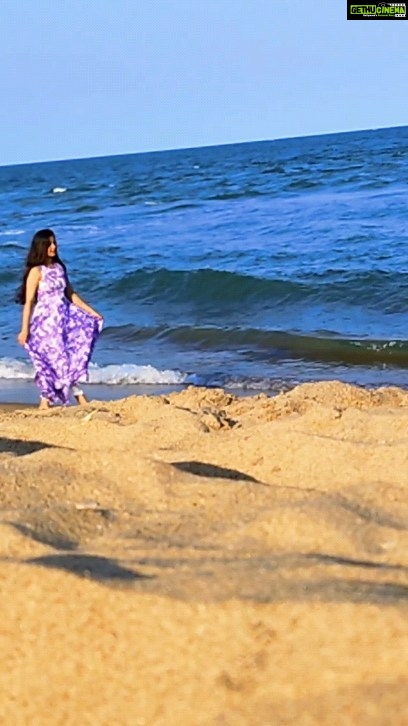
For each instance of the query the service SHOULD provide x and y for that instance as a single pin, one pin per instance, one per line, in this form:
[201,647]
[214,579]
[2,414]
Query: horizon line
[205,146]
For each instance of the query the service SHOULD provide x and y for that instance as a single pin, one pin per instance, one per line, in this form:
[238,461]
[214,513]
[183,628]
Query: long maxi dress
[61,337]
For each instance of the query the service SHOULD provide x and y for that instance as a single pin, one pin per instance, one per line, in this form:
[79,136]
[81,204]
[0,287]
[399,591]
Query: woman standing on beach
[58,329]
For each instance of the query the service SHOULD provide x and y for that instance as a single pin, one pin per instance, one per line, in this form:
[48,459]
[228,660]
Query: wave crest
[210,288]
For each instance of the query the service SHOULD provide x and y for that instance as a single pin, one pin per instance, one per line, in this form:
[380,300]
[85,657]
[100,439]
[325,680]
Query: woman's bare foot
[44,404]
[81,399]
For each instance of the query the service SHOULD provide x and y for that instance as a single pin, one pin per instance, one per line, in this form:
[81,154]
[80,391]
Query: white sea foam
[129,373]
[12,232]
[59,190]
[12,369]
[112,375]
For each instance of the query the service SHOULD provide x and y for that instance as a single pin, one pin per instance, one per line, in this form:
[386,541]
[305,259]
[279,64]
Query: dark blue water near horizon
[252,266]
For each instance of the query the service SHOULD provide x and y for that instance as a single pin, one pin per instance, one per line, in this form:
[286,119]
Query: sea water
[251,266]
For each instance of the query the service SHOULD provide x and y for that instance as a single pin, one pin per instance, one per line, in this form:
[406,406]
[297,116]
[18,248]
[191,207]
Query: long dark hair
[37,255]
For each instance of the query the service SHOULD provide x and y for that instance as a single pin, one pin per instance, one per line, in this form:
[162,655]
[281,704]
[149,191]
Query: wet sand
[10,407]
[199,559]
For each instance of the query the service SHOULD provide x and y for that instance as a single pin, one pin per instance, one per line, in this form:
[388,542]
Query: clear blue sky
[85,78]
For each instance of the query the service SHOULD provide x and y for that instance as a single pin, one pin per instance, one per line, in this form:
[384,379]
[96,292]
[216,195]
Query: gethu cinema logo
[383,9]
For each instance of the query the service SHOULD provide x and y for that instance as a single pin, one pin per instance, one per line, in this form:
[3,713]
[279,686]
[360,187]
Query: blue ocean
[251,266]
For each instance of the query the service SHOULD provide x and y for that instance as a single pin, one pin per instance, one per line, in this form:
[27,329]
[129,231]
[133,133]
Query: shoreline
[7,406]
[25,393]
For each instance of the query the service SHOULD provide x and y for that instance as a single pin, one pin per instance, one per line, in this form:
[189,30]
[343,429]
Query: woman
[58,329]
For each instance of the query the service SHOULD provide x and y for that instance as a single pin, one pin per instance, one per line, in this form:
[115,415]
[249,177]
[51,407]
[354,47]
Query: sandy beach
[200,559]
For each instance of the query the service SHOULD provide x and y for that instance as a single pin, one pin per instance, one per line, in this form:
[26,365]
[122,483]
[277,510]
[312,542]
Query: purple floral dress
[61,339]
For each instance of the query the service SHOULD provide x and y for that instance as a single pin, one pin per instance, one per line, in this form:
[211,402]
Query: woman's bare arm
[76,300]
[32,282]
